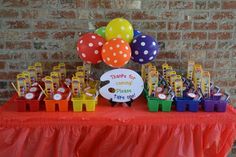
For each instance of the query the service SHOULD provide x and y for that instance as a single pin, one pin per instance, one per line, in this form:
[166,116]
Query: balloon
[136,33]
[101,31]
[116,52]
[144,49]
[89,48]
[119,28]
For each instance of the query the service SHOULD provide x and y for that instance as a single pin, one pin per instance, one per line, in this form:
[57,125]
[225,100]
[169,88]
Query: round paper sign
[57,96]
[191,95]
[218,94]
[33,89]
[124,85]
[61,89]
[29,96]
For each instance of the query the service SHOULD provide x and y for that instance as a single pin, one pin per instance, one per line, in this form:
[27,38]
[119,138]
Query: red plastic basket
[33,105]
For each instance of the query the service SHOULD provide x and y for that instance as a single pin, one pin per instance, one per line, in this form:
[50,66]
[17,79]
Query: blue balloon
[136,33]
[144,49]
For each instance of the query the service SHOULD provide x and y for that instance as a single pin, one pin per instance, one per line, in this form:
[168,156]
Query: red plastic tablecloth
[116,132]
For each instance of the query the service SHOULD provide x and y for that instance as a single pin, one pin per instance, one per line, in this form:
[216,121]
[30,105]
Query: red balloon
[89,47]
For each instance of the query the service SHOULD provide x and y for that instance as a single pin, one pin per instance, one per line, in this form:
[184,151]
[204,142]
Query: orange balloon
[116,52]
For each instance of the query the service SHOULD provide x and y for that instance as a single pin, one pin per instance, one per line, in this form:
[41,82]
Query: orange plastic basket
[63,104]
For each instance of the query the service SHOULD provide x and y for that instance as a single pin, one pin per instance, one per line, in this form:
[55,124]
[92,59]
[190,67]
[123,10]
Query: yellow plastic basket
[89,102]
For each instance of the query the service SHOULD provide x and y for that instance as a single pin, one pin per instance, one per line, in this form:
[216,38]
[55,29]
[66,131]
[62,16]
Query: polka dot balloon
[101,31]
[116,52]
[119,28]
[144,49]
[136,33]
[89,48]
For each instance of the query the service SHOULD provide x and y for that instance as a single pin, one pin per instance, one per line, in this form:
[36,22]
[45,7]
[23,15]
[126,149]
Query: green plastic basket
[166,105]
[155,103]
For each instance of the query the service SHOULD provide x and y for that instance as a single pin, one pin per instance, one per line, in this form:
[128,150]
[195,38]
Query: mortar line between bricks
[158,31]
[99,20]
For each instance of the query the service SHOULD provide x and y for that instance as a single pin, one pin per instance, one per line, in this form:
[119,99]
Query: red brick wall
[40,30]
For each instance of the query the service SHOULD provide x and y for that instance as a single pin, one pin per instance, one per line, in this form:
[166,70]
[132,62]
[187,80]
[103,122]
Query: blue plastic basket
[186,104]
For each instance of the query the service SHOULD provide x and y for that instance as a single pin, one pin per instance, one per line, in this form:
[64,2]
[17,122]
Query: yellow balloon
[119,28]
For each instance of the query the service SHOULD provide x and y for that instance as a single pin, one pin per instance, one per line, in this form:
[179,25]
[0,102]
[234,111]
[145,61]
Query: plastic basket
[186,104]
[89,102]
[166,105]
[211,105]
[50,104]
[33,105]
[155,104]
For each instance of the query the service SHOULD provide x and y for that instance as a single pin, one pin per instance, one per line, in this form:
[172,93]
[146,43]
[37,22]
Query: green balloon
[101,31]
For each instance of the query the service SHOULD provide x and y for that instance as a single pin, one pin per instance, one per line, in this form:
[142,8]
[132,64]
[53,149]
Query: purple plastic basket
[211,105]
